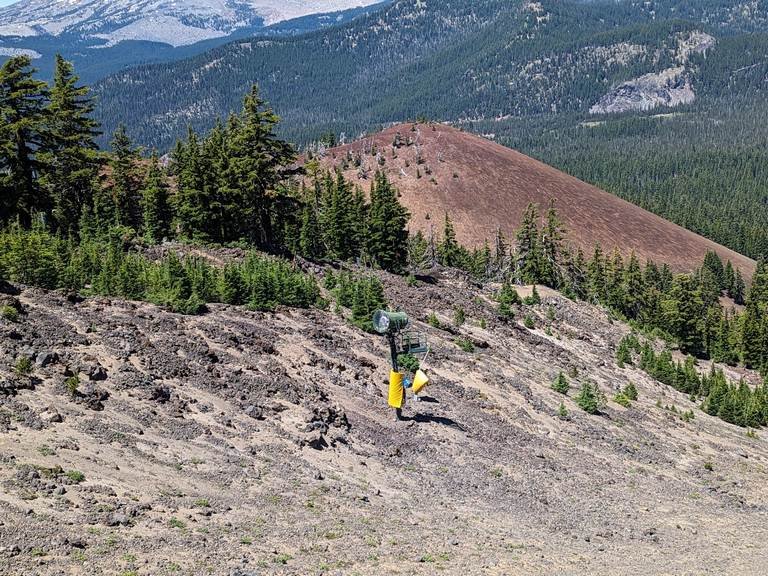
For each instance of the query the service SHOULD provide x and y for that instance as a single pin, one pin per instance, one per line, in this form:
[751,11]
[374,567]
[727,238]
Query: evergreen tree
[683,313]
[70,161]
[551,248]
[634,288]
[738,289]
[529,255]
[156,208]
[257,160]
[191,202]
[448,250]
[387,232]
[596,276]
[126,183]
[310,239]
[22,133]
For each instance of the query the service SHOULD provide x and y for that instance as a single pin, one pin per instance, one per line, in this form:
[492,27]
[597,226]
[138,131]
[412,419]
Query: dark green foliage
[449,251]
[125,189]
[40,258]
[23,131]
[362,294]
[590,398]
[465,344]
[156,204]
[534,299]
[529,254]
[560,384]
[630,391]
[69,159]
[408,362]
[507,297]
[433,320]
[9,313]
[529,322]
[23,366]
[387,243]
[562,411]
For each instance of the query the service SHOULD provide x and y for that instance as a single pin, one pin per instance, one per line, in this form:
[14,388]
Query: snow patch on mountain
[174,22]
[165,29]
[5,51]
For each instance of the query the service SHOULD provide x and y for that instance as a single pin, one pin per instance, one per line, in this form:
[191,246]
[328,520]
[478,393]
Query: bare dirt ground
[484,186]
[240,443]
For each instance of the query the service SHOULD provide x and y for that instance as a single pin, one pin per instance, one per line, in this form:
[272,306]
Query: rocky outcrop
[670,88]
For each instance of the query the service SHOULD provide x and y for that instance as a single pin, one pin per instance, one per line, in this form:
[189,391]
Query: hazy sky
[6,2]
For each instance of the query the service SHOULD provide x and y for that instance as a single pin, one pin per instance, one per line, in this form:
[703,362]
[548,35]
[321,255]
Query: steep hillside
[242,443]
[483,185]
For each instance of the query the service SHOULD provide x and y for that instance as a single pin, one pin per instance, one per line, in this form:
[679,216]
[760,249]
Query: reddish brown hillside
[483,185]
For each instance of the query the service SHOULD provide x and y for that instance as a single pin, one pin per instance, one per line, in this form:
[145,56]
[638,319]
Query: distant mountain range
[461,62]
[103,36]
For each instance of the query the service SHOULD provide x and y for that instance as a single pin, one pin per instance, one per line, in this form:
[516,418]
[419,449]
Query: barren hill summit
[483,185]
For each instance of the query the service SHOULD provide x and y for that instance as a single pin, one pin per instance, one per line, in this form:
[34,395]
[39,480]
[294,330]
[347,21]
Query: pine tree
[156,208]
[257,159]
[310,239]
[70,161]
[683,311]
[500,253]
[634,288]
[560,385]
[191,202]
[387,233]
[596,276]
[551,248]
[738,289]
[22,133]
[529,255]
[448,250]
[126,183]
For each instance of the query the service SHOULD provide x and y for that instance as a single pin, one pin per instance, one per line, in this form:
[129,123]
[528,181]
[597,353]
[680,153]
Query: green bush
[408,362]
[72,383]
[9,313]
[590,398]
[465,344]
[75,476]
[630,391]
[529,322]
[23,366]
[533,299]
[562,411]
[622,400]
[459,316]
[433,320]
[560,384]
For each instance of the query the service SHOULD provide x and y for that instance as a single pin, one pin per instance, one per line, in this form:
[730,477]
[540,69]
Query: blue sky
[6,2]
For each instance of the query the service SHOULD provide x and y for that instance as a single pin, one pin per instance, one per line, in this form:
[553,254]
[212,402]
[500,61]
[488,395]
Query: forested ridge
[84,221]
[523,73]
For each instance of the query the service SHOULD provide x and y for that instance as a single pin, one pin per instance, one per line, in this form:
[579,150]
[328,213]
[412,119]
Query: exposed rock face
[670,88]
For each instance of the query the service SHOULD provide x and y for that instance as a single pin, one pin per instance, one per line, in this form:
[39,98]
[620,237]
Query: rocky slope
[242,443]
[483,186]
